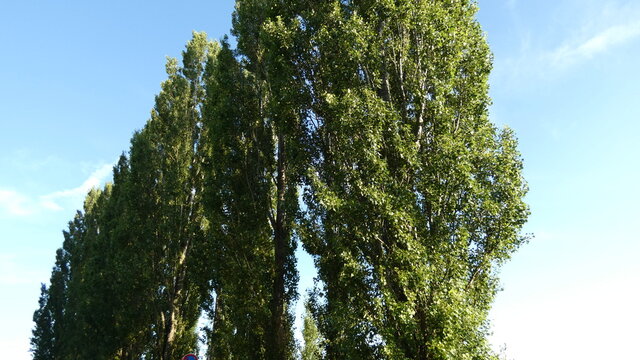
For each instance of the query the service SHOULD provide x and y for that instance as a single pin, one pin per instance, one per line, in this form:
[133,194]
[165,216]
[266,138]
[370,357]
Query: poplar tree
[167,183]
[257,159]
[312,347]
[237,202]
[414,198]
[125,284]
[91,304]
[43,337]
[64,317]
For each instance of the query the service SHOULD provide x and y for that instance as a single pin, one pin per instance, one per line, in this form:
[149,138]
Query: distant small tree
[311,335]
[42,334]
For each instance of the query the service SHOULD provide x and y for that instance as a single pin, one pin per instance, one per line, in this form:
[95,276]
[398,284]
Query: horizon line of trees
[357,129]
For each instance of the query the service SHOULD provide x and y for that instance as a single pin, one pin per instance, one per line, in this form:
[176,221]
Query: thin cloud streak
[599,43]
[94,180]
[17,204]
[600,30]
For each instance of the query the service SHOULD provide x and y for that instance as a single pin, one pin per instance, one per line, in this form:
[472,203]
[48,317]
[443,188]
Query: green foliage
[174,220]
[43,338]
[125,276]
[237,203]
[374,113]
[414,198]
[275,150]
[311,349]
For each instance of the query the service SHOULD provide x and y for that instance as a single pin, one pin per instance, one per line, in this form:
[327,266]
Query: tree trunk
[279,337]
[171,327]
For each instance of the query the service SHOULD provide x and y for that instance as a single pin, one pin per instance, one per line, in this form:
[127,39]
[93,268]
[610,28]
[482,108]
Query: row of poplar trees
[357,128]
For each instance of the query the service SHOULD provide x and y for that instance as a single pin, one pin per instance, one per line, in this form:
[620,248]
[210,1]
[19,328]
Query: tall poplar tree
[414,197]
[91,305]
[129,280]
[70,310]
[237,202]
[167,180]
[257,164]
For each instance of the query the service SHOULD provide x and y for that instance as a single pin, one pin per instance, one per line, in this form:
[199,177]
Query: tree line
[357,129]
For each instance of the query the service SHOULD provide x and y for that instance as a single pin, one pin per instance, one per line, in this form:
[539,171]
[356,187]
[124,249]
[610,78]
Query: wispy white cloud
[599,43]
[51,201]
[577,32]
[15,203]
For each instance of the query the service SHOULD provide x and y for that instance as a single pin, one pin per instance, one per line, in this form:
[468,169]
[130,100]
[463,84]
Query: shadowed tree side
[172,223]
[131,287]
[236,205]
[265,49]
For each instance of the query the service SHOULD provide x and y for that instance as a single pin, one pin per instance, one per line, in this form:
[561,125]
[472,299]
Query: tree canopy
[356,129]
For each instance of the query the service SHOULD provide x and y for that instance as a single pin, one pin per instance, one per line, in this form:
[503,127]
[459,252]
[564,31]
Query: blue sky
[77,78]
